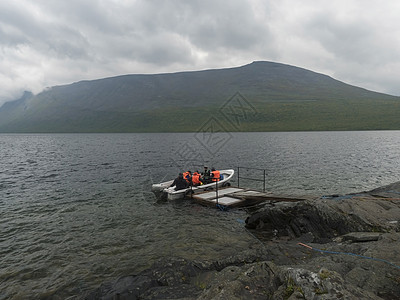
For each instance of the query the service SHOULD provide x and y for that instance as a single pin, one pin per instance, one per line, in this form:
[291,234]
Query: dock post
[238,176]
[216,191]
[264,182]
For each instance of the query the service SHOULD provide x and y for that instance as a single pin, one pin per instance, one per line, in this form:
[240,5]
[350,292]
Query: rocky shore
[331,247]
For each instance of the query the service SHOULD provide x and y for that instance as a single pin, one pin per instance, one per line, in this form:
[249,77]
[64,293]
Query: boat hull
[173,194]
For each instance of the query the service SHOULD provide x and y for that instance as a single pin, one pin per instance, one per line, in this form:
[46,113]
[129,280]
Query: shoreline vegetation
[331,247]
[269,117]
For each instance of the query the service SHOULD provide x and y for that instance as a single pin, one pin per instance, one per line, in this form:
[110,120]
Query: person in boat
[188,176]
[206,175]
[215,175]
[196,179]
[180,183]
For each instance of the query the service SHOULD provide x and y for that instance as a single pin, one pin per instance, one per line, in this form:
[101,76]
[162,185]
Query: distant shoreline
[194,132]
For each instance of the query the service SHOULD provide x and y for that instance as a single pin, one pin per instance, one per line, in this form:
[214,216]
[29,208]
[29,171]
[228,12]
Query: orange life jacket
[196,178]
[215,175]
[187,176]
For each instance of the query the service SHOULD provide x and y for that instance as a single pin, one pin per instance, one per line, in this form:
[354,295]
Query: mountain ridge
[124,103]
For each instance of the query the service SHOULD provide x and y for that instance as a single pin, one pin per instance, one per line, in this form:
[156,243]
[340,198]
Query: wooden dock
[230,197]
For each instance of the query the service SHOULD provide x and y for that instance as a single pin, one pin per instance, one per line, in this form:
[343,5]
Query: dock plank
[227,201]
[212,194]
[239,197]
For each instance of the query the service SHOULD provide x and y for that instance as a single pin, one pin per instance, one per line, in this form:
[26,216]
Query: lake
[76,209]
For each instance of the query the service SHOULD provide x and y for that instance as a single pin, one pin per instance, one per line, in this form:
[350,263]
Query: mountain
[277,97]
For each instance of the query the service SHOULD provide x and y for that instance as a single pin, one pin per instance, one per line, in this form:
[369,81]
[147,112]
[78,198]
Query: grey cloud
[14,26]
[47,37]
[213,25]
[350,40]
[64,41]
[88,15]
[362,52]
[11,38]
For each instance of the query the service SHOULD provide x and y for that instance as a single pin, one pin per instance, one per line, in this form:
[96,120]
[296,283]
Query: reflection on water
[75,209]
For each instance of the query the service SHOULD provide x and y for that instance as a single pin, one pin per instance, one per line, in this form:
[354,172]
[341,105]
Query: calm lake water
[76,209]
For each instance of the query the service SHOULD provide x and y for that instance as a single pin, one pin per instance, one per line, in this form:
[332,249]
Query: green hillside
[272,97]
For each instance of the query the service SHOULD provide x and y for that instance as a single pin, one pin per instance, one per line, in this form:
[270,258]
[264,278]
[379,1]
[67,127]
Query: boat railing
[262,172]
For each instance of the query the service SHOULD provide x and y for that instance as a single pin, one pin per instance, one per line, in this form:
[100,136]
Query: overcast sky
[51,42]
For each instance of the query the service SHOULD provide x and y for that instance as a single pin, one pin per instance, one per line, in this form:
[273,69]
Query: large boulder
[326,218]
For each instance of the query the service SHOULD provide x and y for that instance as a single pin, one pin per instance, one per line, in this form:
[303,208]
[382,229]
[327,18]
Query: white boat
[172,194]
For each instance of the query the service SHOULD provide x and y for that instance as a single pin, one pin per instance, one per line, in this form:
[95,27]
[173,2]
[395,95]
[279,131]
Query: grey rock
[361,236]
[322,285]
[127,287]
